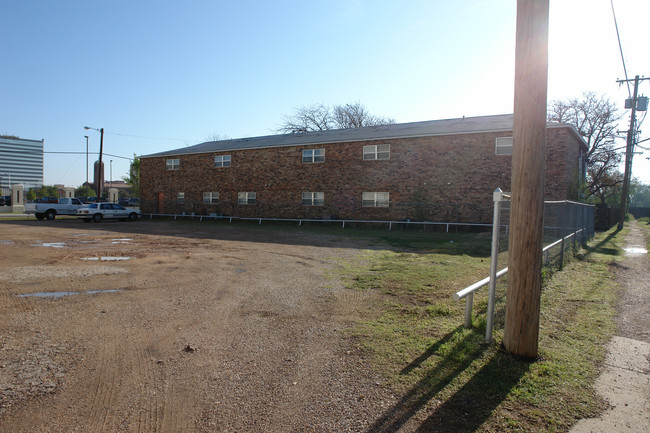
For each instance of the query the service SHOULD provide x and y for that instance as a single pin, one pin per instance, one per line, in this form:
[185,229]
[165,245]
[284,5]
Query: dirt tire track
[103,386]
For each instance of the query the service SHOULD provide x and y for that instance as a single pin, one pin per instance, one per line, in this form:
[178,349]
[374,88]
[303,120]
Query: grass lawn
[449,379]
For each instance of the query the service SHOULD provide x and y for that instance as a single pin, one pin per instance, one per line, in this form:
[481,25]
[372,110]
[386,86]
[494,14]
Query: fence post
[563,235]
[575,226]
[584,225]
[497,197]
[469,302]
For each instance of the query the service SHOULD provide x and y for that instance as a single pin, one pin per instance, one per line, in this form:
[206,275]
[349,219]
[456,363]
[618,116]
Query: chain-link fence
[568,226]
[346,208]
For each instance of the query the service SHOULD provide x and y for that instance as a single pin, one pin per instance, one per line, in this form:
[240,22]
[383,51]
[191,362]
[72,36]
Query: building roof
[464,125]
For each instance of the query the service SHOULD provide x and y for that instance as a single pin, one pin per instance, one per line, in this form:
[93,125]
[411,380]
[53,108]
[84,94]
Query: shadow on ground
[600,247]
[471,405]
[323,235]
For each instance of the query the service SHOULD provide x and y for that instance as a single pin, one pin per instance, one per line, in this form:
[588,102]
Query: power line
[83,153]
[618,36]
[117,156]
[152,138]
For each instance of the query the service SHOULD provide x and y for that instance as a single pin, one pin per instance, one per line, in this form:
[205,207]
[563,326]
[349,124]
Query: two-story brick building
[441,170]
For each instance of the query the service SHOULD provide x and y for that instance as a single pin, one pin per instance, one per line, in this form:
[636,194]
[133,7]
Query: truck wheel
[133,216]
[39,216]
[97,217]
[50,214]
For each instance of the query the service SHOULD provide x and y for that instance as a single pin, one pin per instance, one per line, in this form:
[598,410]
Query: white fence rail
[343,222]
[583,227]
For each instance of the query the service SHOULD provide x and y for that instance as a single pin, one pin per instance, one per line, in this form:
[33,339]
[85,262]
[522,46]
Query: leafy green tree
[133,179]
[639,194]
[30,195]
[85,191]
[46,191]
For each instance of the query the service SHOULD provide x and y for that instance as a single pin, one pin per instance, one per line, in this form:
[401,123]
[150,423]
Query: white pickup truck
[65,206]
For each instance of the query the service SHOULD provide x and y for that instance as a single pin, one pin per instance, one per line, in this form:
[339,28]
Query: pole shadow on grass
[600,248]
[472,404]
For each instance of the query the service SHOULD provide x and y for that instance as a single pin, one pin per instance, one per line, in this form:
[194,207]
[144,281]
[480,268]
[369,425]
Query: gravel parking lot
[174,327]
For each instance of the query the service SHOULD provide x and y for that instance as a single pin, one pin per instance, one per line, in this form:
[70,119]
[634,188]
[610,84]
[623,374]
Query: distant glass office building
[21,161]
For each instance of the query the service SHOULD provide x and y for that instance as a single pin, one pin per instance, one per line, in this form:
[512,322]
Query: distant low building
[21,162]
[122,187]
[441,170]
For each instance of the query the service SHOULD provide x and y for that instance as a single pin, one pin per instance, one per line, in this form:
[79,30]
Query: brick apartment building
[441,170]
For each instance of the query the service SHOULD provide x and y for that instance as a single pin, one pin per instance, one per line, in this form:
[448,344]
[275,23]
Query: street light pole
[86,159]
[111,184]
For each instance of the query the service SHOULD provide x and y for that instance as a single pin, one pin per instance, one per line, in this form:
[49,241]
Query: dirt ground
[633,275]
[190,329]
[625,378]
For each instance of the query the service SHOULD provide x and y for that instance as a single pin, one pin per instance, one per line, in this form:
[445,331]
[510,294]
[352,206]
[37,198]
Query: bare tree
[356,116]
[216,137]
[596,119]
[319,117]
[315,117]
[608,189]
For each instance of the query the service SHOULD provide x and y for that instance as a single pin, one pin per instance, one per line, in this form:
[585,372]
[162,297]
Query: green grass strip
[449,379]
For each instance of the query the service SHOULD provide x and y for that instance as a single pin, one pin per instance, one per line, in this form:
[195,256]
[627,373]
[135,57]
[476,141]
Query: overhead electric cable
[152,138]
[92,153]
[618,36]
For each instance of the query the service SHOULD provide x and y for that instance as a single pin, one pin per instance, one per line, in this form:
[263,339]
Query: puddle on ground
[635,251]
[57,295]
[121,241]
[3,242]
[106,258]
[50,244]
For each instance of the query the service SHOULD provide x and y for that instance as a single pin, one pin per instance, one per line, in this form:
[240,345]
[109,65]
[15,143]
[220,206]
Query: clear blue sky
[159,75]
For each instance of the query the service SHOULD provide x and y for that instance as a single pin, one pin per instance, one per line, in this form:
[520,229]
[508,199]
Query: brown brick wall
[440,178]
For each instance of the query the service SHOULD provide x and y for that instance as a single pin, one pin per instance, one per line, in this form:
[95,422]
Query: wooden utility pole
[100,186]
[629,153]
[527,202]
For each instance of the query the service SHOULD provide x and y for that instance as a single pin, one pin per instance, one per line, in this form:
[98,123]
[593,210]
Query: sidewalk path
[625,380]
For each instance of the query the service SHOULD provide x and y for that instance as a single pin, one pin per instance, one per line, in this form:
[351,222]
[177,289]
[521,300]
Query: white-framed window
[222,161]
[313,198]
[246,197]
[375,199]
[173,164]
[503,146]
[211,197]
[180,198]
[313,155]
[376,151]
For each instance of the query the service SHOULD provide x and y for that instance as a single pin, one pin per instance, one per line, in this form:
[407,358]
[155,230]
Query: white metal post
[497,196]
[469,304]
